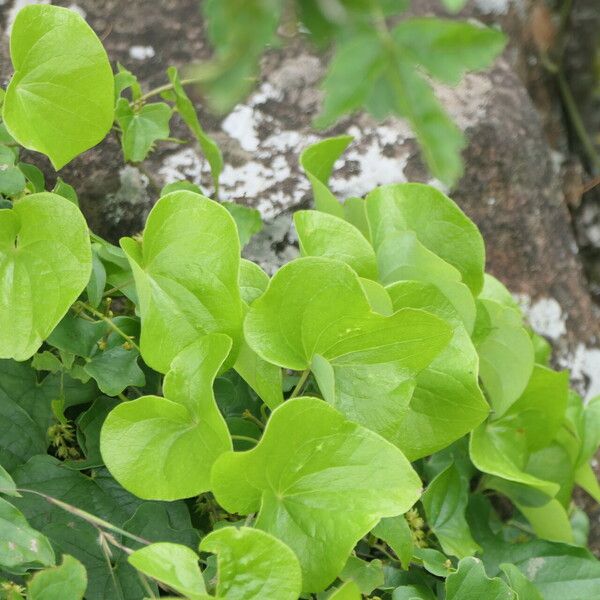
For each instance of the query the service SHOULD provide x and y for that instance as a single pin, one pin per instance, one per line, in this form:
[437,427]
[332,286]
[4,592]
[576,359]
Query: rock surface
[513,186]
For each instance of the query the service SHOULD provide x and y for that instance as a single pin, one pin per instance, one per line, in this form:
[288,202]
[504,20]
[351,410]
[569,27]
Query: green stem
[300,383]
[108,321]
[248,415]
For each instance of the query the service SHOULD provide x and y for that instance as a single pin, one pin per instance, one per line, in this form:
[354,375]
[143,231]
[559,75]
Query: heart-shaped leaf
[60,99]
[45,263]
[437,221]
[67,581]
[319,482]
[186,272]
[164,448]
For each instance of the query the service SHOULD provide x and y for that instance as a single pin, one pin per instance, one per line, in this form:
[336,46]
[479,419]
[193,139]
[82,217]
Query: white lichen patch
[240,125]
[545,316]
[141,52]
[584,364]
[533,566]
[184,164]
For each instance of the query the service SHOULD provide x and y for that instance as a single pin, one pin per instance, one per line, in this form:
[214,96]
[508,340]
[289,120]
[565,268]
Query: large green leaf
[45,263]
[319,483]
[253,565]
[445,501]
[164,448]
[505,353]
[437,222]
[470,581]
[447,402]
[186,273]
[315,314]
[67,581]
[21,546]
[322,234]
[60,99]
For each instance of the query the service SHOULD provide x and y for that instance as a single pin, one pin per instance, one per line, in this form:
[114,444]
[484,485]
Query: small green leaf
[322,234]
[470,581]
[67,581]
[317,161]
[253,281]
[66,191]
[60,99]
[46,361]
[313,466]
[12,180]
[525,590]
[347,591]
[7,485]
[124,80]
[248,220]
[177,186]
[164,448]
[367,575]
[186,272]
[21,547]
[45,263]
[188,114]
[172,564]
[445,501]
[115,369]
[253,565]
[142,127]
[395,532]
[97,282]
[34,176]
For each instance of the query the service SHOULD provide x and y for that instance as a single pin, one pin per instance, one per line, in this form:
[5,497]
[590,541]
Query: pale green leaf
[247,220]
[395,532]
[253,565]
[315,471]
[505,354]
[317,161]
[164,448]
[471,581]
[172,564]
[253,281]
[142,127]
[60,99]
[7,485]
[45,263]
[524,589]
[186,271]
[322,234]
[437,222]
[188,113]
[367,575]
[550,522]
[21,546]
[67,581]
[347,591]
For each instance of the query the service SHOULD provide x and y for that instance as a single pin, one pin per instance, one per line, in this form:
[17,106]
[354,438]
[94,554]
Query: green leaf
[142,127]
[525,590]
[557,570]
[550,522]
[66,191]
[253,565]
[115,369]
[21,547]
[447,402]
[60,99]
[505,354]
[434,561]
[347,591]
[447,49]
[67,581]
[7,485]
[172,564]
[188,114]
[317,161]
[322,234]
[46,361]
[124,80]
[413,592]
[315,471]
[437,222]
[12,180]
[253,281]
[470,581]
[445,501]
[164,448]
[34,176]
[177,186]
[395,532]
[186,272]
[454,6]
[248,220]
[367,575]
[45,262]
[97,282]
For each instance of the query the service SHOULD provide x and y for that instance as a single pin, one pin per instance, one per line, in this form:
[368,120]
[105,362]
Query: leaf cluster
[374,420]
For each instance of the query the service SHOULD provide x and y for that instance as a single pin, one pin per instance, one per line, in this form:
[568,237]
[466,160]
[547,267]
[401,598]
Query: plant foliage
[376,419]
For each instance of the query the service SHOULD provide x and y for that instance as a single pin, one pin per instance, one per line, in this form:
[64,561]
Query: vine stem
[244,438]
[300,383]
[108,321]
